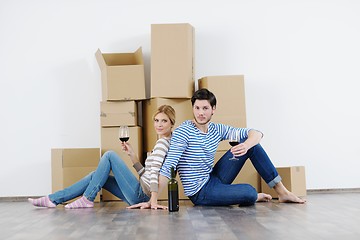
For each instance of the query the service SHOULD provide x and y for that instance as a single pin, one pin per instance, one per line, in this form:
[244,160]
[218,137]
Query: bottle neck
[172,173]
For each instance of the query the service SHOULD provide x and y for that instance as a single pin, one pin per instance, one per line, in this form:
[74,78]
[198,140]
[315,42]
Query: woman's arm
[153,163]
[129,150]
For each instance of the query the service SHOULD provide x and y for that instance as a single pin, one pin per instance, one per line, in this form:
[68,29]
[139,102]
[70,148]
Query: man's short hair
[204,94]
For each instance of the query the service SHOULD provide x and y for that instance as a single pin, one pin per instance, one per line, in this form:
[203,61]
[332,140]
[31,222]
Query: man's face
[202,111]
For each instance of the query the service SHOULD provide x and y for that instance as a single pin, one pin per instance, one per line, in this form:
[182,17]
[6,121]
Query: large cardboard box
[172,60]
[110,141]
[230,95]
[114,114]
[122,75]
[247,174]
[293,179]
[183,111]
[69,165]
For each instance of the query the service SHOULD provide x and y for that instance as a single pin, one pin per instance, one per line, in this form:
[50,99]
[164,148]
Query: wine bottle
[173,193]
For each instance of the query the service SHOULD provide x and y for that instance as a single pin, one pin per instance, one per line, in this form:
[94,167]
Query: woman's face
[162,125]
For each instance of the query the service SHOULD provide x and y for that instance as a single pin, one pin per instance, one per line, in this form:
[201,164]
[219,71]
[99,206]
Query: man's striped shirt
[192,153]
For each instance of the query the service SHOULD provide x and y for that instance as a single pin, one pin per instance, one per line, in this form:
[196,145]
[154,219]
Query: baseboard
[309,191]
[16,199]
[334,190]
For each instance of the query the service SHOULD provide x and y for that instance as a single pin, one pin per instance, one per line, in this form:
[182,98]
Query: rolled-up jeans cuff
[275,181]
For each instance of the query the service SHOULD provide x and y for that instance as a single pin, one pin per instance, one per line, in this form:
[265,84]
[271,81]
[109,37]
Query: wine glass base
[233,159]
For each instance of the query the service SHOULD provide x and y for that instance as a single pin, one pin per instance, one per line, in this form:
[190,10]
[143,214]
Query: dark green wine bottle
[173,193]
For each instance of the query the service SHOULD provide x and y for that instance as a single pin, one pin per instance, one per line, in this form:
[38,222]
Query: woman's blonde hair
[168,110]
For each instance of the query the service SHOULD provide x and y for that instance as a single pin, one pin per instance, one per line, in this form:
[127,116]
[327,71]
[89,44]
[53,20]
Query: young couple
[193,146]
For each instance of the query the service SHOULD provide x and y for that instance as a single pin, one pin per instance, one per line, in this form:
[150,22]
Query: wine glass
[234,139]
[124,133]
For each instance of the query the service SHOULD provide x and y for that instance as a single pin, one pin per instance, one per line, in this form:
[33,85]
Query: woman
[123,184]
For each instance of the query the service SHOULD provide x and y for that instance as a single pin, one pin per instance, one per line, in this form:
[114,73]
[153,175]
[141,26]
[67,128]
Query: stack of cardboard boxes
[172,79]
[123,87]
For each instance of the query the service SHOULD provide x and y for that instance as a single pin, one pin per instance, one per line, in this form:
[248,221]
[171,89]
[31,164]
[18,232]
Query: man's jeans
[219,191]
[123,184]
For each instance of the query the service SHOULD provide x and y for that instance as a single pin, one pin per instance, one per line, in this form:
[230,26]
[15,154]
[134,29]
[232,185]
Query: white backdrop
[300,60]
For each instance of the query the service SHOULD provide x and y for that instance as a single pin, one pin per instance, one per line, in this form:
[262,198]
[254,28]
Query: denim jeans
[123,184]
[219,191]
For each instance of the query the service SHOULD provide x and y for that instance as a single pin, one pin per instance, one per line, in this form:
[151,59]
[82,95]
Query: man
[192,150]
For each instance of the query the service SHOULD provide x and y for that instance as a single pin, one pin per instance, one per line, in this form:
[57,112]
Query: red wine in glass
[234,139]
[124,139]
[124,133]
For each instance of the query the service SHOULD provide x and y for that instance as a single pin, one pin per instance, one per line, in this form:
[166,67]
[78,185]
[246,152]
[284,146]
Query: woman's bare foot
[263,197]
[289,197]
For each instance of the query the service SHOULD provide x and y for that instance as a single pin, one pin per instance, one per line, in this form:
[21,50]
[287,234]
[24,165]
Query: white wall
[300,60]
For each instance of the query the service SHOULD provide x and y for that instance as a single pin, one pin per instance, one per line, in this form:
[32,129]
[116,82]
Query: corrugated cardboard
[293,179]
[114,114]
[183,111]
[122,75]
[172,60]
[69,165]
[230,95]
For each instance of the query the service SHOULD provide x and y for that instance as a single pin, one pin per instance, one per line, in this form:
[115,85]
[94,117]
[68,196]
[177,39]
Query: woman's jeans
[123,184]
[219,191]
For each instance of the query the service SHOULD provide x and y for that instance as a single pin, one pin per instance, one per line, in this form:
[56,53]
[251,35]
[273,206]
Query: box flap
[139,56]
[100,59]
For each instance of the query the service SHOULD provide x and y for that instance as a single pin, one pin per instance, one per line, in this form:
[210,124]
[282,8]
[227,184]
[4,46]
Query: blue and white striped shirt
[192,153]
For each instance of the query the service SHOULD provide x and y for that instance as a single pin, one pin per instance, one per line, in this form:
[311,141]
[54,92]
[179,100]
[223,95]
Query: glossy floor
[324,216]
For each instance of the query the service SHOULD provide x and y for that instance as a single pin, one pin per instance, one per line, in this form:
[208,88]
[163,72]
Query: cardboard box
[114,114]
[227,89]
[293,179]
[183,111]
[122,75]
[69,165]
[172,60]
[248,173]
[110,141]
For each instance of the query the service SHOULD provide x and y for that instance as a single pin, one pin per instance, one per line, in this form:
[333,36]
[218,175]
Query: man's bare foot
[285,196]
[289,197]
[263,197]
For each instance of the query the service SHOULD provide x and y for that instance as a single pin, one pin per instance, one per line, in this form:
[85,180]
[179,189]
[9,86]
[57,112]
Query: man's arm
[254,137]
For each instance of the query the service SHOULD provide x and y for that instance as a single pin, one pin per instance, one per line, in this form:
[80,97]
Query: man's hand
[240,149]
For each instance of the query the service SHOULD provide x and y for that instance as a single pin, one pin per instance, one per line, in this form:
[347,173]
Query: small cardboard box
[110,141]
[172,60]
[69,165]
[247,174]
[183,111]
[122,75]
[293,179]
[227,89]
[114,114]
